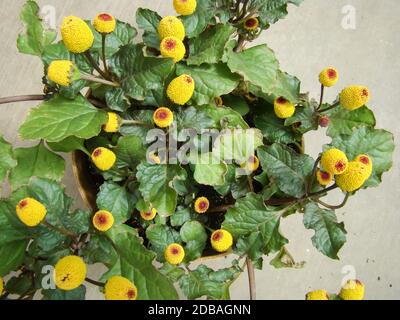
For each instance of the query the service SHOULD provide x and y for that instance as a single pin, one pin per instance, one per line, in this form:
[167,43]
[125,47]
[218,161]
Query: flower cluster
[352,290]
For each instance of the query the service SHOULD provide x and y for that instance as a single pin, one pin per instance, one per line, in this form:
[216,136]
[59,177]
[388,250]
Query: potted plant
[187,144]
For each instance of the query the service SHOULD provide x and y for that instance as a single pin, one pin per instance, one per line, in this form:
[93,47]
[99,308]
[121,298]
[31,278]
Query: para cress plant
[194,71]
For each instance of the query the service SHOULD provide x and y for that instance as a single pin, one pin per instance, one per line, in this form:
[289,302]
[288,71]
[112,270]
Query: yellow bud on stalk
[76,34]
[104,23]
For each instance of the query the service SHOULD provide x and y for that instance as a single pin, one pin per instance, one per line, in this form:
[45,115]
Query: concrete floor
[310,38]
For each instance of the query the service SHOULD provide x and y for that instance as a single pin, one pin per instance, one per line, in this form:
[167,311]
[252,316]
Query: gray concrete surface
[310,38]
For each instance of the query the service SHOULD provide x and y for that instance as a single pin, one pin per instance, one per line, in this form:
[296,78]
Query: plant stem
[322,96]
[29,97]
[312,178]
[243,13]
[239,47]
[330,108]
[94,64]
[334,207]
[252,278]
[94,282]
[60,230]
[103,52]
[98,80]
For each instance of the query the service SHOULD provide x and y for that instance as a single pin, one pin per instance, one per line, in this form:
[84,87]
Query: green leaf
[209,170]
[37,161]
[271,11]
[343,121]
[237,144]
[197,22]
[195,237]
[145,116]
[239,104]
[160,237]
[258,65]
[224,117]
[58,294]
[116,100]
[378,144]
[172,272]
[305,119]
[123,34]
[67,145]
[78,221]
[7,159]
[140,75]
[155,185]
[255,226]
[193,118]
[35,39]
[285,260]
[12,255]
[329,235]
[287,168]
[19,285]
[59,118]
[130,151]
[99,249]
[117,200]
[209,47]
[212,80]
[136,264]
[272,128]
[149,20]
[180,217]
[206,282]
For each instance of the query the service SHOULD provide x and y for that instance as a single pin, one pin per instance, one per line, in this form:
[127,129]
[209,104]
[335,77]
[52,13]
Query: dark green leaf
[58,294]
[160,237]
[67,145]
[193,118]
[378,144]
[180,217]
[195,237]
[149,20]
[197,22]
[59,118]
[224,117]
[130,151]
[305,119]
[116,100]
[7,159]
[37,161]
[172,272]
[239,104]
[329,235]
[19,285]
[287,168]
[12,255]
[117,200]
[212,80]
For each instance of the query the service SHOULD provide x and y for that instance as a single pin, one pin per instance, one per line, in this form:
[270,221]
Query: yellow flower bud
[113,123]
[174,253]
[324,178]
[201,205]
[251,24]
[185,7]
[221,240]
[104,23]
[181,89]
[334,161]
[283,108]
[317,295]
[354,97]
[103,158]
[148,215]
[365,160]
[354,177]
[171,27]
[154,159]
[31,212]
[251,164]
[1,286]
[62,72]
[69,273]
[172,47]
[352,290]
[328,77]
[103,220]
[120,288]
[163,117]
[76,34]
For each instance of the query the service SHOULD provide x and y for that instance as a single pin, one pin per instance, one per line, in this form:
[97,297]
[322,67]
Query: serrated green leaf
[343,121]
[195,237]
[197,22]
[329,235]
[117,200]
[68,145]
[258,65]
[193,118]
[305,119]
[271,11]
[160,237]
[35,38]
[136,264]
[12,255]
[224,117]
[130,151]
[155,185]
[212,80]
[237,144]
[285,260]
[209,170]
[180,217]
[58,294]
[209,47]
[376,143]
[36,161]
[149,20]
[7,159]
[255,226]
[116,100]
[287,168]
[140,75]
[172,272]
[238,104]
[59,118]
